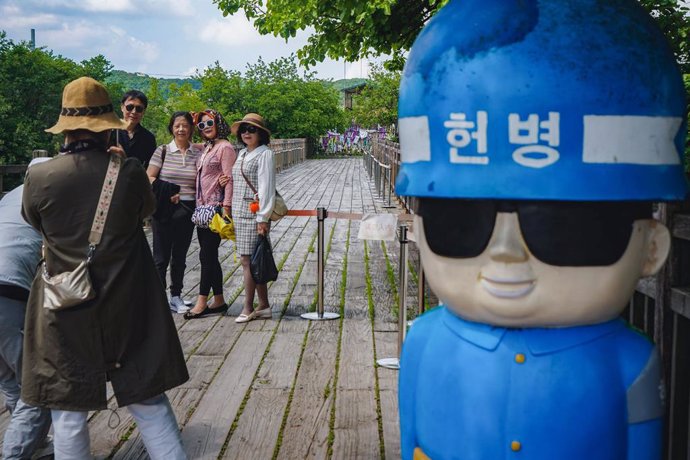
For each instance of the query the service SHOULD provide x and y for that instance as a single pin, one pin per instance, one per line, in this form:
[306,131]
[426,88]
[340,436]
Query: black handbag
[263,266]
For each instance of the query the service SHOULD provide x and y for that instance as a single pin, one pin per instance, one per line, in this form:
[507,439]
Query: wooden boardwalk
[288,388]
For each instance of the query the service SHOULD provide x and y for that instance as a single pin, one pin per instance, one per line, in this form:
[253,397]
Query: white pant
[155,420]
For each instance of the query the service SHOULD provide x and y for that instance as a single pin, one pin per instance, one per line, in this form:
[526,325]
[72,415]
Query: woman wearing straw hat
[125,333]
[254,169]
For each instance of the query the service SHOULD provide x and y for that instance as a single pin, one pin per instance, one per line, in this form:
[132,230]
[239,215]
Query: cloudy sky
[157,37]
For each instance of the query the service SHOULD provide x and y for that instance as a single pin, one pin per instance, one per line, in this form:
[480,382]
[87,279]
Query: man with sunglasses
[534,223]
[137,141]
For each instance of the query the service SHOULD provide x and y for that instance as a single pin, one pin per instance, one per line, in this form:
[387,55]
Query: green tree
[222,90]
[293,105]
[31,83]
[377,104]
[349,29]
[353,29]
[98,68]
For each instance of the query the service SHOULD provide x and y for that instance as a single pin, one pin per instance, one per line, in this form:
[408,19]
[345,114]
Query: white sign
[378,227]
[631,140]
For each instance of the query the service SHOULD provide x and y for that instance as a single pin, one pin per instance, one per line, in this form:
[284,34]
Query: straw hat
[253,119]
[86,105]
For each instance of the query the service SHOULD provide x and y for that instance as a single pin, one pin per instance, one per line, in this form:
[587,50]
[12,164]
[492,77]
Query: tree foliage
[377,104]
[354,29]
[31,82]
[349,29]
[293,105]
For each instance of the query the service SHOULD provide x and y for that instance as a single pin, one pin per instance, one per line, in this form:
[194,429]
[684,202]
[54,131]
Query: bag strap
[256,194]
[164,150]
[103,207]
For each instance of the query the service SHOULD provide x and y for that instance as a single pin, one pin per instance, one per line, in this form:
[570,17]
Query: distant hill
[142,82]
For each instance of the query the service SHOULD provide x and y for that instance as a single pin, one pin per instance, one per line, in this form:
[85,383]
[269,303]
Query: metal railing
[288,152]
[661,308]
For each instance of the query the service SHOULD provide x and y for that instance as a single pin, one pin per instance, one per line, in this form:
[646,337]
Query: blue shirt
[472,391]
[20,243]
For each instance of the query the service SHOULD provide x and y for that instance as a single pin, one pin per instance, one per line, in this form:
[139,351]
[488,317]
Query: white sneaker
[178,305]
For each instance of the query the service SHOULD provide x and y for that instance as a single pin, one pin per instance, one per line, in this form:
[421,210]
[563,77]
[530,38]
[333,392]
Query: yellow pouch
[223,226]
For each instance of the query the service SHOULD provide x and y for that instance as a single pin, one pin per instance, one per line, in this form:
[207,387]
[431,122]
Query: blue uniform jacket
[472,391]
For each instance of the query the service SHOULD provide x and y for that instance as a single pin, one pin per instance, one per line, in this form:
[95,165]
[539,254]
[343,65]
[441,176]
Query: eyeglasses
[205,124]
[565,234]
[134,107]
[247,129]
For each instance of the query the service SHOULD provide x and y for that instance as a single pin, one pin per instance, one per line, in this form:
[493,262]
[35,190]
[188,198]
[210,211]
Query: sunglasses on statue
[133,107]
[204,124]
[247,129]
[559,233]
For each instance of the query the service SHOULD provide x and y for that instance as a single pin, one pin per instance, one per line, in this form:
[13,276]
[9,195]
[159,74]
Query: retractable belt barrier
[321,214]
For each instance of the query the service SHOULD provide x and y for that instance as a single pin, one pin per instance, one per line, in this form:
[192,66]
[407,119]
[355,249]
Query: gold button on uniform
[519,358]
[515,446]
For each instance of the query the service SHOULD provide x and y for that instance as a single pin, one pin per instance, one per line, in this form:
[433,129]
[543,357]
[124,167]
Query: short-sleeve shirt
[178,168]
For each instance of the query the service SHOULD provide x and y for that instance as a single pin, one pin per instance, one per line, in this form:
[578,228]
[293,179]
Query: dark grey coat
[126,334]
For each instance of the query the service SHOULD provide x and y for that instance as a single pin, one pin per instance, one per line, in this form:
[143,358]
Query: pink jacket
[214,162]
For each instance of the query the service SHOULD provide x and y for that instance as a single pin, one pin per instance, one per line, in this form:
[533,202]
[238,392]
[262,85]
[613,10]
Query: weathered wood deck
[289,388]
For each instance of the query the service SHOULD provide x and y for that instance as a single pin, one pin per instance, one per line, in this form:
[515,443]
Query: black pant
[211,273]
[171,242]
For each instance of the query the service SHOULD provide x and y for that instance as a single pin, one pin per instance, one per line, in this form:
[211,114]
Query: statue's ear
[658,247]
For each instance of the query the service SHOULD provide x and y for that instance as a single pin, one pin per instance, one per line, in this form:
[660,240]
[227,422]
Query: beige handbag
[69,289]
[280,208]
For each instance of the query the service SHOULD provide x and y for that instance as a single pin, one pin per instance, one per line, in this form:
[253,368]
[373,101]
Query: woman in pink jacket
[217,159]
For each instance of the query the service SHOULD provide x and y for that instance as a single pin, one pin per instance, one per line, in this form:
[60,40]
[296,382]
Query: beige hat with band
[86,105]
[253,119]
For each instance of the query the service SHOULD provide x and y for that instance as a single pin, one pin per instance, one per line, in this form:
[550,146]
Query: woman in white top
[253,174]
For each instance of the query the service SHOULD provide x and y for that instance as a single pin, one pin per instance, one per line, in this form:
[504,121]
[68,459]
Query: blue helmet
[542,99]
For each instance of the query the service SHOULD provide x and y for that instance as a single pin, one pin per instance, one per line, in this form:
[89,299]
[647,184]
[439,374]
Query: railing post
[421,293]
[394,363]
[320,314]
[389,186]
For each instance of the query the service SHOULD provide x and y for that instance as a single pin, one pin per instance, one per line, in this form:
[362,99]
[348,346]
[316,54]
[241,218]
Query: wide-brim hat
[86,105]
[253,119]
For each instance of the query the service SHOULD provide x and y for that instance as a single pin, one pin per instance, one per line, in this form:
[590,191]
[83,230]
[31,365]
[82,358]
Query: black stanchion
[394,363]
[320,314]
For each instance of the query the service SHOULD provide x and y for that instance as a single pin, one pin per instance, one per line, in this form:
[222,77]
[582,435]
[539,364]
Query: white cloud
[358,69]
[110,6]
[13,18]
[230,32]
[175,7]
[85,39]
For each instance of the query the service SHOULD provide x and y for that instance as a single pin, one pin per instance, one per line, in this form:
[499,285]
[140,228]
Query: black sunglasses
[247,129]
[131,107]
[560,233]
[204,124]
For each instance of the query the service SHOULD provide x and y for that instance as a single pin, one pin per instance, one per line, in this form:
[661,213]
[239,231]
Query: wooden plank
[206,430]
[306,429]
[387,347]
[262,417]
[183,399]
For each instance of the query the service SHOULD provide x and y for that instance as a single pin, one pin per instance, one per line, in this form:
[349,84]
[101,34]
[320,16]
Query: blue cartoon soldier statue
[535,136]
